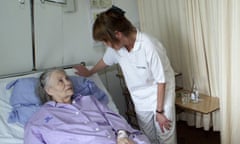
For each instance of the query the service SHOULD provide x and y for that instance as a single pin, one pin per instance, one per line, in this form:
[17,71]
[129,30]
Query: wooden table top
[205,105]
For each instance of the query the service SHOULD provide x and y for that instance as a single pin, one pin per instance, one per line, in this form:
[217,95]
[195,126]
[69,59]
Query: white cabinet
[60,37]
[15,37]
[16,41]
[49,34]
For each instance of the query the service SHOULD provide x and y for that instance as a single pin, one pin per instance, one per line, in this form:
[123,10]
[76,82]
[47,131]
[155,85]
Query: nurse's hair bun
[116,10]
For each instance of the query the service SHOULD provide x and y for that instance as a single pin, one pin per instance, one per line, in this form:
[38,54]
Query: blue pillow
[24,91]
[85,86]
[25,100]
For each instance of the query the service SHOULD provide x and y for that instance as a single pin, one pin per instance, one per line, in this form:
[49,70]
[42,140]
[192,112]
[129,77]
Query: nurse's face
[115,46]
[59,87]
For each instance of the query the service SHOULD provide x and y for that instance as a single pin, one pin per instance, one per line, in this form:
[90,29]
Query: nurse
[146,69]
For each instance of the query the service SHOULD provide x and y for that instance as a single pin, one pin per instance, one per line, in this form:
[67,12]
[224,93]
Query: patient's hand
[82,71]
[124,140]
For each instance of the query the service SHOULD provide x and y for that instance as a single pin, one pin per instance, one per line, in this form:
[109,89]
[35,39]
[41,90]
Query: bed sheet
[13,133]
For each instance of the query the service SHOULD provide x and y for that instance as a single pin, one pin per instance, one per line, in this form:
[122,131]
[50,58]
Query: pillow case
[25,101]
[84,86]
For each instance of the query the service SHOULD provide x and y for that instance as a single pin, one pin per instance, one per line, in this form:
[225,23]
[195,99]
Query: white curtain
[202,38]
[229,62]
[189,31]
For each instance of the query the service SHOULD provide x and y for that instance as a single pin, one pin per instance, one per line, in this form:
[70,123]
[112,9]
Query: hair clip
[117,10]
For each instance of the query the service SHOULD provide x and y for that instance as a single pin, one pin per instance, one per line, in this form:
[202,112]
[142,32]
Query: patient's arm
[31,137]
[120,124]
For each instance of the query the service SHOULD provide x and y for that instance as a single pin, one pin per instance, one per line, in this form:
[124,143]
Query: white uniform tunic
[143,67]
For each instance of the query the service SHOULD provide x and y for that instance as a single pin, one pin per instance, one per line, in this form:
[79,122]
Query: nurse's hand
[124,140]
[163,122]
[82,71]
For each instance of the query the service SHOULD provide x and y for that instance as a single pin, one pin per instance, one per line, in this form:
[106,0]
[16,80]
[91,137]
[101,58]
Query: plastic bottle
[195,94]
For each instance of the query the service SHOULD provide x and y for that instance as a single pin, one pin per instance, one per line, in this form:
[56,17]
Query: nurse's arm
[160,97]
[160,117]
[83,71]
[99,66]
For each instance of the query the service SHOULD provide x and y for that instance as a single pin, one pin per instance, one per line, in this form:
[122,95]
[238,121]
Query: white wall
[71,31]
[60,39]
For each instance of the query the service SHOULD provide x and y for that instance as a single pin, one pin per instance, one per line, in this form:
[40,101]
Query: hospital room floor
[191,135]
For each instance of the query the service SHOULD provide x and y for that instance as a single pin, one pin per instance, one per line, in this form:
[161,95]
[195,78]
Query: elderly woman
[82,120]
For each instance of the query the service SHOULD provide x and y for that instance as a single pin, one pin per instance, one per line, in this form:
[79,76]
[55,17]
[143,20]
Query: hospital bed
[12,133]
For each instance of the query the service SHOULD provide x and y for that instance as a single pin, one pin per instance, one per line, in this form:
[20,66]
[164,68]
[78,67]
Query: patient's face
[60,87]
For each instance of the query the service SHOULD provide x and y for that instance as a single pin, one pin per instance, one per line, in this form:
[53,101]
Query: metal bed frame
[39,70]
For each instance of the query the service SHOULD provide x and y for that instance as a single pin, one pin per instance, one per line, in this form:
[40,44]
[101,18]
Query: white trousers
[148,124]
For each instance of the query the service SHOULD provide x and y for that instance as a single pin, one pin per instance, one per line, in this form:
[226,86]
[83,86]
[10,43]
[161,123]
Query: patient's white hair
[43,83]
